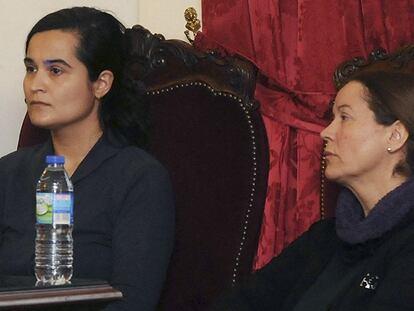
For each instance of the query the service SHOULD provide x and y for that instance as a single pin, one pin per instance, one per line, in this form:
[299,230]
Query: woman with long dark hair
[123,214]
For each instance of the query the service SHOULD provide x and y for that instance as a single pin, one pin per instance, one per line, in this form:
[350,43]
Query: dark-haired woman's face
[356,145]
[56,85]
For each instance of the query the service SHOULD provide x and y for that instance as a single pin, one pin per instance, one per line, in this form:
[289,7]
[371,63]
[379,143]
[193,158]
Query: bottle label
[54,208]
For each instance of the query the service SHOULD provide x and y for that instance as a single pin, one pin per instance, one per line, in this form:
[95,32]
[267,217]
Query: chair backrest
[401,60]
[208,132]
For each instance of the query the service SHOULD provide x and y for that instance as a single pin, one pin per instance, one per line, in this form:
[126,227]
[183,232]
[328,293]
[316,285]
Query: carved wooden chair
[401,60]
[207,131]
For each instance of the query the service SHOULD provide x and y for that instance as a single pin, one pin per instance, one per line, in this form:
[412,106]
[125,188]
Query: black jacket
[123,218]
[386,282]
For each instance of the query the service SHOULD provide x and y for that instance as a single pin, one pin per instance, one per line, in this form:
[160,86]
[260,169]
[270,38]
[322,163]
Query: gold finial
[193,23]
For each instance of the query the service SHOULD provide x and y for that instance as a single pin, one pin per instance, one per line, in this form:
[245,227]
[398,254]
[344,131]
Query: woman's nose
[36,82]
[327,132]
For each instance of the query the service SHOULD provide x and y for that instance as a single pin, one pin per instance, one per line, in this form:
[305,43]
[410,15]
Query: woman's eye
[56,71]
[30,69]
[344,117]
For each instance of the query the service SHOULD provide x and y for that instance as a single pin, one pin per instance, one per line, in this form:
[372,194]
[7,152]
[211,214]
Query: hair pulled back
[390,95]
[102,47]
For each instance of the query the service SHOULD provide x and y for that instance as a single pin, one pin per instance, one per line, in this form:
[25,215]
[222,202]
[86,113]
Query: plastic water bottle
[54,221]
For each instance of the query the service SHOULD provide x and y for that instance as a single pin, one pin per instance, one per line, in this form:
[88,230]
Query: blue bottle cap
[54,159]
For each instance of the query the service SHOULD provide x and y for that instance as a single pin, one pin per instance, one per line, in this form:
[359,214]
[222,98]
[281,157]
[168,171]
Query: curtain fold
[297,44]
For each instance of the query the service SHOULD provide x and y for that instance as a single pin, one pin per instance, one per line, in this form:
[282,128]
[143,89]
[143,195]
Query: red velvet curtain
[296,45]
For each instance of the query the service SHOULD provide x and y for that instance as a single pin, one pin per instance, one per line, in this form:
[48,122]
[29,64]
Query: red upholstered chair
[207,131]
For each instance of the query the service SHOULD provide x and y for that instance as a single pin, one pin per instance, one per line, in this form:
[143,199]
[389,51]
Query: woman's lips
[328,154]
[38,103]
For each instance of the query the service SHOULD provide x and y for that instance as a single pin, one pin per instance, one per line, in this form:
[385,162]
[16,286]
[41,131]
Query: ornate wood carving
[379,59]
[159,63]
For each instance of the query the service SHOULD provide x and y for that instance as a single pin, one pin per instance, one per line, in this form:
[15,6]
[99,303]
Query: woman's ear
[103,84]
[398,135]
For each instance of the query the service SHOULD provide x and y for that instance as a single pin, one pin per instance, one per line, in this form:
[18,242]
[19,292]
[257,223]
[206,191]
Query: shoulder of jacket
[17,156]
[323,225]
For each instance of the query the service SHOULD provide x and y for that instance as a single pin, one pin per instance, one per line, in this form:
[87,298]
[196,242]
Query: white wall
[17,18]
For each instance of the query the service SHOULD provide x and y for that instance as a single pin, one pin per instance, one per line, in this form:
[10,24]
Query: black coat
[386,282]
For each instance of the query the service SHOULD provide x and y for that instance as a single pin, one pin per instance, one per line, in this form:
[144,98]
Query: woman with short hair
[364,258]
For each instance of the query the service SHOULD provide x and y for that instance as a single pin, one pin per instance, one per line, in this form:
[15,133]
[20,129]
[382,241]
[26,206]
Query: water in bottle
[54,221]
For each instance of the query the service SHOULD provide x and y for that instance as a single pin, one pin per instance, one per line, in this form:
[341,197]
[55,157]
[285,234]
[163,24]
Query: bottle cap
[54,159]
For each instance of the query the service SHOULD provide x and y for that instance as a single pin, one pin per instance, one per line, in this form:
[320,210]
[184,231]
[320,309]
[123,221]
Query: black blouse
[123,218]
